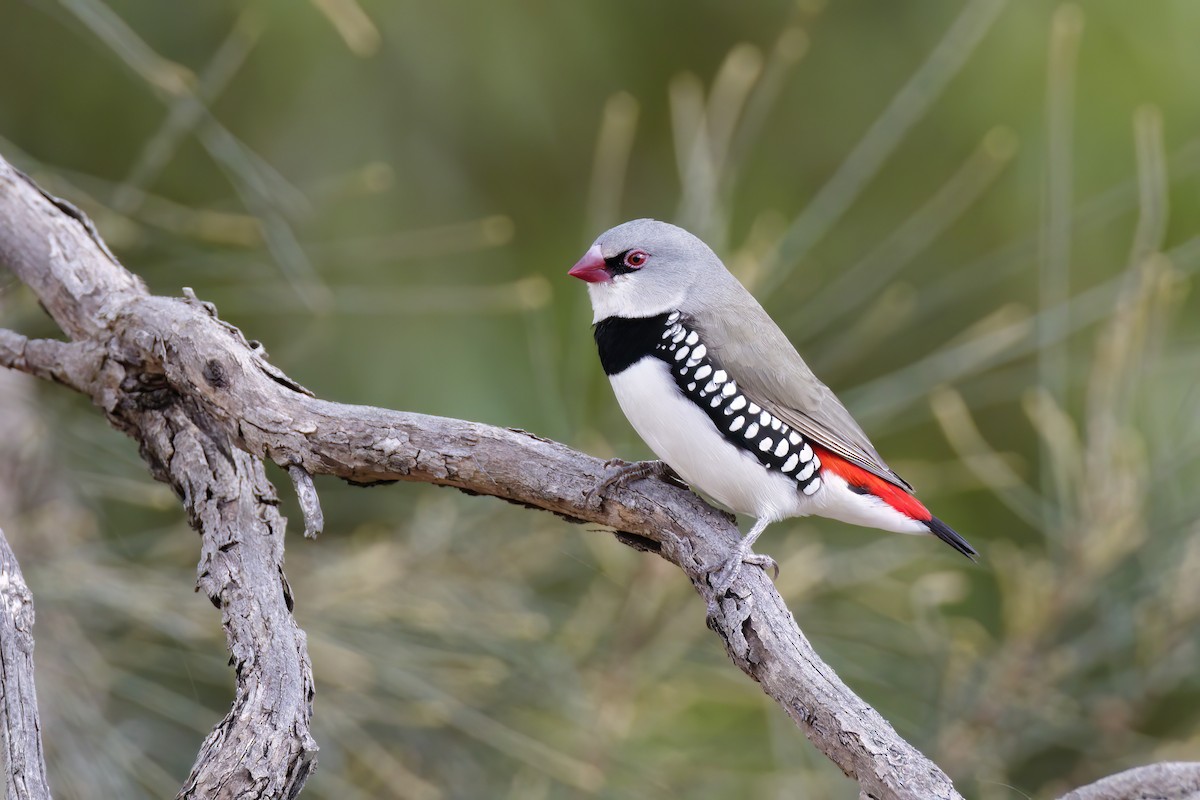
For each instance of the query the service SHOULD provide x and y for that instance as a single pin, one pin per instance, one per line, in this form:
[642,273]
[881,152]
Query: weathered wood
[1165,781]
[204,404]
[262,748]
[24,761]
[310,502]
[180,380]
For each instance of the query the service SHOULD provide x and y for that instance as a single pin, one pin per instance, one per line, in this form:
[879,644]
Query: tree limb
[1165,781]
[205,404]
[186,385]
[262,748]
[25,763]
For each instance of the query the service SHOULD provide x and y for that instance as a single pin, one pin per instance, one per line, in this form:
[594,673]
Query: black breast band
[624,341]
[671,338]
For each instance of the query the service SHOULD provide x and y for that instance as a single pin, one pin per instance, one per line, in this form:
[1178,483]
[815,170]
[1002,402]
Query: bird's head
[643,268]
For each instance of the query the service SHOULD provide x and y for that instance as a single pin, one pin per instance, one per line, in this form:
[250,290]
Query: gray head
[646,267]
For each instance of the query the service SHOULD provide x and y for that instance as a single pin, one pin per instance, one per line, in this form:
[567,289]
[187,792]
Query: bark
[1166,781]
[205,405]
[262,748]
[24,762]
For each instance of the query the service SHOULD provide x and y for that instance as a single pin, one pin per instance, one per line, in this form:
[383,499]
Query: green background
[976,220]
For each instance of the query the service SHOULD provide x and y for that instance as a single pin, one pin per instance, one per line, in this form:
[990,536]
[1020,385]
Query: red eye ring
[636,259]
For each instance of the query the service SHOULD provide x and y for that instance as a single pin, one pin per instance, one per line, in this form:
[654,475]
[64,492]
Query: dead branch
[1166,781]
[24,761]
[262,748]
[205,405]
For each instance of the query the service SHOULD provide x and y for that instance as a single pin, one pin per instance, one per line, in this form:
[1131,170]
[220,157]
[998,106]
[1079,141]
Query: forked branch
[205,405]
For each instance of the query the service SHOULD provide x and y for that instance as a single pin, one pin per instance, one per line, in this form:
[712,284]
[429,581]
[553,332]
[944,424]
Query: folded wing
[769,369]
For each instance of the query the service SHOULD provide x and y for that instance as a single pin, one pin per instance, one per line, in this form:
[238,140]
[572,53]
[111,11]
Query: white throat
[622,297]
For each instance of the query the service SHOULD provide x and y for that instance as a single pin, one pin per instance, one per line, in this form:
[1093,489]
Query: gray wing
[752,349]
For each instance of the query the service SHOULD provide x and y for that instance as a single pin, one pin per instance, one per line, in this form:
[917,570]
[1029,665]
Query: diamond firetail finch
[717,391]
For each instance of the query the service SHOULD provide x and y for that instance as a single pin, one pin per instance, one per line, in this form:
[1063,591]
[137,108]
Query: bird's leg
[729,571]
[626,473]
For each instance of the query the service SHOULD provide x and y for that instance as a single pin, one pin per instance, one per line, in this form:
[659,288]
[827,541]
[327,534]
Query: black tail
[950,537]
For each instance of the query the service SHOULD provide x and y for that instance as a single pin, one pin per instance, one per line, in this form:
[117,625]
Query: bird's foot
[622,472]
[729,571]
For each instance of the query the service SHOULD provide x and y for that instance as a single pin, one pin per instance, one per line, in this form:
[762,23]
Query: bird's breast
[693,416]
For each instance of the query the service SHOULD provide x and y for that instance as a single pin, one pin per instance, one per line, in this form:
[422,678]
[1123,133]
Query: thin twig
[310,503]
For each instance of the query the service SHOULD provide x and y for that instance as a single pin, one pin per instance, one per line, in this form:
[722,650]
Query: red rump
[868,483]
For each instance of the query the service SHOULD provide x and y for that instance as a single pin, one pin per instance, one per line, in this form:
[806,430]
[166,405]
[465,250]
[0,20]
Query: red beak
[591,267]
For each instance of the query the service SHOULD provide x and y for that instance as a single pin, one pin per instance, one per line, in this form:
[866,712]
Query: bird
[718,392]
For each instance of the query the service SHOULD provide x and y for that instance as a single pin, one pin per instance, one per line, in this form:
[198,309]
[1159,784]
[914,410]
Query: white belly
[682,435]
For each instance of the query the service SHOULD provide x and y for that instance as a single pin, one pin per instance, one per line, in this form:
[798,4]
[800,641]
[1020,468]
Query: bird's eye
[636,259]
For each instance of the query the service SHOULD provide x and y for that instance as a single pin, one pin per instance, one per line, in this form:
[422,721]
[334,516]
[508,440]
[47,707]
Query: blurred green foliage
[975,219]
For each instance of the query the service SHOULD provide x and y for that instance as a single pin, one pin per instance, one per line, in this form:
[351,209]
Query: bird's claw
[731,568]
[625,472]
[765,562]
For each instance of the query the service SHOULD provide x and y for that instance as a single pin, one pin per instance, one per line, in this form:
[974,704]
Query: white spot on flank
[765,444]
[693,337]
[682,354]
[794,438]
[720,376]
[703,372]
[716,401]
[700,351]
[806,452]
[737,423]
[692,386]
[764,419]
[674,317]
[679,334]
[791,463]
[752,430]
[754,409]
[738,403]
[712,386]
[807,472]
[775,423]
[781,449]
[812,487]
[730,389]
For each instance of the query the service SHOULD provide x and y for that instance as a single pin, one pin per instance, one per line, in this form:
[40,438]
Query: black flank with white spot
[623,342]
